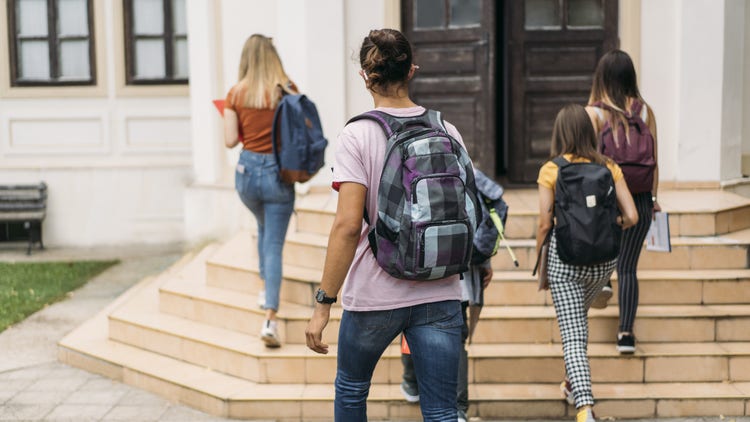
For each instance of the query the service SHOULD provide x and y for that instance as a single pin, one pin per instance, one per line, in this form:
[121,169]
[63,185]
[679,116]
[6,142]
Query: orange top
[255,123]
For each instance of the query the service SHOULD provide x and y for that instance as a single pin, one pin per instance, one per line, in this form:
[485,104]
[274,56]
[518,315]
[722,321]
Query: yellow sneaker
[585,415]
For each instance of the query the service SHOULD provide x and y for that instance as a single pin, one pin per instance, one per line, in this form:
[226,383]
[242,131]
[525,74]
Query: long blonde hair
[260,73]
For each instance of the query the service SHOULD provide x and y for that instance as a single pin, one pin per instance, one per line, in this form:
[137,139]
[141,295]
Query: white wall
[746,101]
[660,77]
[116,159]
[693,80]
[311,38]
[732,111]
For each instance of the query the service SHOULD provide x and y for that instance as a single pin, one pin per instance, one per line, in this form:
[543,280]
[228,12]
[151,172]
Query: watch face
[320,295]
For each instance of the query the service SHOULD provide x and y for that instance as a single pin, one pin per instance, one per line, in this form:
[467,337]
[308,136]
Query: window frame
[53,44]
[169,36]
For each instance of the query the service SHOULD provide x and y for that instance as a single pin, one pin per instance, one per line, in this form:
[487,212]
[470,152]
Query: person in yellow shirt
[574,287]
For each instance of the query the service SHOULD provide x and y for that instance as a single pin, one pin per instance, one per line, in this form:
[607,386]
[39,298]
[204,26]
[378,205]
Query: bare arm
[625,202]
[231,128]
[546,208]
[342,243]
[594,117]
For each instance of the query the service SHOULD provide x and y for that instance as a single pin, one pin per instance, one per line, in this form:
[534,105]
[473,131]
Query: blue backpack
[427,206]
[491,228]
[298,141]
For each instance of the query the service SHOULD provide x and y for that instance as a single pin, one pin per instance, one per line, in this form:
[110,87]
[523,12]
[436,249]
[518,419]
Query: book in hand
[657,238]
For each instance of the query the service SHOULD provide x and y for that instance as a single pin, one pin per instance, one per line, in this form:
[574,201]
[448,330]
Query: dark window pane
[542,14]
[465,12]
[585,13]
[429,14]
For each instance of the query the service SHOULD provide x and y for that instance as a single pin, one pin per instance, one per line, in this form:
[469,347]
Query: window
[51,42]
[452,14]
[156,42]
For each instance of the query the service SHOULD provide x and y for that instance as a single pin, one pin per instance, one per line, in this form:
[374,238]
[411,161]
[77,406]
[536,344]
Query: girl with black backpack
[574,286]
[626,128]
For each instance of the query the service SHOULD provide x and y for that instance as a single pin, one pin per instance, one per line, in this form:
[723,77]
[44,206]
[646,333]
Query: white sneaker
[262,299]
[602,299]
[269,334]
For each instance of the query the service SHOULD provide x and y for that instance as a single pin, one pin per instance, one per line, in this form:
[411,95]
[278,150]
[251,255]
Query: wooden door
[553,48]
[453,42]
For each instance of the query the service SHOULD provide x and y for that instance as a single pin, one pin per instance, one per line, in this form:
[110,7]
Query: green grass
[28,287]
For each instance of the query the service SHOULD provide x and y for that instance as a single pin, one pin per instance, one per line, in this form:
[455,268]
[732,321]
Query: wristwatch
[320,297]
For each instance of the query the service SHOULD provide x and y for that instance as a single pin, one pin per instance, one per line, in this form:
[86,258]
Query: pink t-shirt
[359,159]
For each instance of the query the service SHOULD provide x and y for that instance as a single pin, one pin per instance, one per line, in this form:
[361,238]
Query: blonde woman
[248,117]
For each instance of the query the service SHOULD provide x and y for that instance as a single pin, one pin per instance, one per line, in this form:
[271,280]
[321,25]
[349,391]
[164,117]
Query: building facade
[109,101]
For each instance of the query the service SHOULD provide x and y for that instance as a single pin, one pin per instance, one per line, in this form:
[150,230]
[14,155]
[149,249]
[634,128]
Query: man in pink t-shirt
[377,306]
[359,159]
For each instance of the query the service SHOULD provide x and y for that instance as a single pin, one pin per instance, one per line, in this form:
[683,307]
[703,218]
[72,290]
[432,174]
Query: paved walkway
[34,386]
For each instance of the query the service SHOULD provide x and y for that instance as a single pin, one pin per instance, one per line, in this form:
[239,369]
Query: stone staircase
[191,333]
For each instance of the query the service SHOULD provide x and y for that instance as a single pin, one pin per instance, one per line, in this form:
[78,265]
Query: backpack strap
[392,124]
[561,161]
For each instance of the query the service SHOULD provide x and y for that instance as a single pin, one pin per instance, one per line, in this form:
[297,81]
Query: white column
[659,77]
[692,52]
[208,158]
[746,95]
[731,110]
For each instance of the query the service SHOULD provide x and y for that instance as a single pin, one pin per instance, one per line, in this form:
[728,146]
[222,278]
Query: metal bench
[26,205]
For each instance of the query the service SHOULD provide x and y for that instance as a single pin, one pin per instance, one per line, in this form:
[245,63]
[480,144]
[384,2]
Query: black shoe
[626,343]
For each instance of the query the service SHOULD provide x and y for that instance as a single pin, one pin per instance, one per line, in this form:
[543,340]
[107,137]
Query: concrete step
[657,287]
[499,324]
[244,355]
[692,213]
[308,250]
[234,266]
[191,299]
[137,312]
[656,323]
[228,396]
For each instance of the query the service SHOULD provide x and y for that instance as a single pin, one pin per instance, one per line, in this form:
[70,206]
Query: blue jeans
[272,202]
[433,331]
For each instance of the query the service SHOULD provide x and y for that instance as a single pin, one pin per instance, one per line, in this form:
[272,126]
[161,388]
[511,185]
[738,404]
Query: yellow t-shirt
[548,172]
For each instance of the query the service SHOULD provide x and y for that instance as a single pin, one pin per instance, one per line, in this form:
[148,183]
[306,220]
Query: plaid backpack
[427,205]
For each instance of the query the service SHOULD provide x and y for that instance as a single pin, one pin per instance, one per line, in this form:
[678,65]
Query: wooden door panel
[549,67]
[456,75]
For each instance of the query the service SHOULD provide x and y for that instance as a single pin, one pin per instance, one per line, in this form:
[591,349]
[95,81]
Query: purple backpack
[634,149]
[427,204]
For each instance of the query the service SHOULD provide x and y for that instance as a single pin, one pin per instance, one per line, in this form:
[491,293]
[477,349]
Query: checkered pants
[574,288]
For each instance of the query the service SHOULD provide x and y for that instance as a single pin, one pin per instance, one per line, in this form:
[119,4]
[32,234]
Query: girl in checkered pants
[574,287]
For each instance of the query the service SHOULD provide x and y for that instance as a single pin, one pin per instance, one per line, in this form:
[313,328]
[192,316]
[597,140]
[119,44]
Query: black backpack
[586,213]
